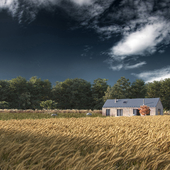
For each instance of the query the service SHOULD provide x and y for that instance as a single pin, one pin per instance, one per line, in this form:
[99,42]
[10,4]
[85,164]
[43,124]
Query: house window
[119,112]
[107,112]
[136,112]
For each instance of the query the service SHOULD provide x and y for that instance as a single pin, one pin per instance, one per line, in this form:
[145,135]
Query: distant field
[40,114]
[85,143]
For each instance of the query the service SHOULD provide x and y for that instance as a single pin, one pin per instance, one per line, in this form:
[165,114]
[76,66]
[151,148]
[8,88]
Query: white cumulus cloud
[127,66]
[155,75]
[82,2]
[141,41]
[117,68]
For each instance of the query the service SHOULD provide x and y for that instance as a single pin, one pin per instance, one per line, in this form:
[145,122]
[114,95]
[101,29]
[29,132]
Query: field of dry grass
[48,110]
[88,143]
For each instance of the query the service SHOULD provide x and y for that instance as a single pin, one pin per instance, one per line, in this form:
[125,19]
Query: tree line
[19,93]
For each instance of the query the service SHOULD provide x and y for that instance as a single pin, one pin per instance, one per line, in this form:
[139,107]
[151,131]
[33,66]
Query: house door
[119,112]
[159,111]
[107,112]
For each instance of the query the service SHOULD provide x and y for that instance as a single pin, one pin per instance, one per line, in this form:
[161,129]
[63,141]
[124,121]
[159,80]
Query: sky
[87,39]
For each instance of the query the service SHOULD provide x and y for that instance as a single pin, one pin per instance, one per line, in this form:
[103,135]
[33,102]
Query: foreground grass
[84,143]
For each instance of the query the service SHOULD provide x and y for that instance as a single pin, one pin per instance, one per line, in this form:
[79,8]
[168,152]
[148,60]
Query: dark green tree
[26,95]
[57,94]
[165,93]
[39,90]
[153,89]
[26,100]
[18,87]
[73,94]
[99,88]
[4,92]
[138,89]
[121,89]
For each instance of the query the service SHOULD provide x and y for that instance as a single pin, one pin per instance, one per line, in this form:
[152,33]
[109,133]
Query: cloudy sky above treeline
[88,39]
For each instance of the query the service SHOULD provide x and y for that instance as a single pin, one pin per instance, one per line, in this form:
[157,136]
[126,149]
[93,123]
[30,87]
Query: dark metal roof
[151,102]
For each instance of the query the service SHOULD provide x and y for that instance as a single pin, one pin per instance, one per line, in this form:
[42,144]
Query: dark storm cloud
[26,10]
[144,25]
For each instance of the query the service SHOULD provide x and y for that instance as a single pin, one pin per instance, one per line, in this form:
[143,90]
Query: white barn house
[129,107]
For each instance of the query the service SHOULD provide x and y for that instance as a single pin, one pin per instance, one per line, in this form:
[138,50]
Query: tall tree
[138,89]
[25,98]
[4,90]
[57,94]
[121,89]
[153,89]
[108,93]
[18,86]
[73,94]
[99,88]
[39,90]
[28,95]
[165,93]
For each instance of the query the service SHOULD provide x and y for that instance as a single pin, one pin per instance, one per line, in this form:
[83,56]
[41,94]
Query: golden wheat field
[134,143]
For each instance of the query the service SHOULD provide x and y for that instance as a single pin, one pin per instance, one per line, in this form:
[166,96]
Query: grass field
[73,141]
[22,115]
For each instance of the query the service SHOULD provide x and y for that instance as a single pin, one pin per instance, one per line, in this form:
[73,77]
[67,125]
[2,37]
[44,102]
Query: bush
[48,104]
[144,110]
[4,105]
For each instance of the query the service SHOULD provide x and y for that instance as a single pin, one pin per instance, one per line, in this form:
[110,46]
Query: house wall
[159,106]
[111,111]
[127,111]
[152,111]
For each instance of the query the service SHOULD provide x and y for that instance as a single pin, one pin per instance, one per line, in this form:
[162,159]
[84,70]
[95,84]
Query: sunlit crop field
[88,143]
